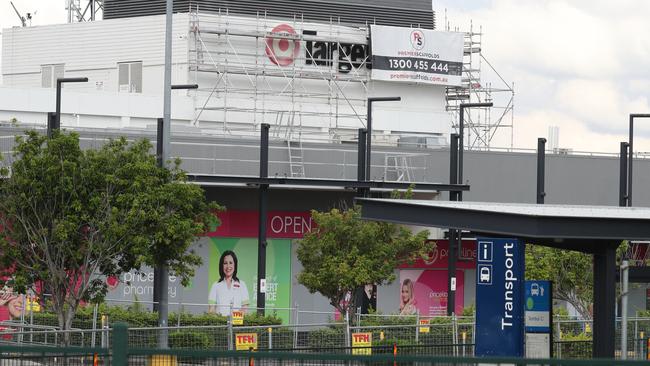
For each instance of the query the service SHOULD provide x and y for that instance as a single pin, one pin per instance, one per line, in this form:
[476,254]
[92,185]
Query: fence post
[93,336]
[120,344]
[295,329]
[347,329]
[454,334]
[270,337]
[230,335]
[636,332]
[417,327]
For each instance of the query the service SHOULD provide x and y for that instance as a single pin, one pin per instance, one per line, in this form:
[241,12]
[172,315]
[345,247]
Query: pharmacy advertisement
[232,276]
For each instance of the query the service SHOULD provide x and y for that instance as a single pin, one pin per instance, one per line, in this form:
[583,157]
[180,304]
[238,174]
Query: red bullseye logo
[283,49]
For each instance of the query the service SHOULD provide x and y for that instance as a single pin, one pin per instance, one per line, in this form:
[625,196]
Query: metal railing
[119,352]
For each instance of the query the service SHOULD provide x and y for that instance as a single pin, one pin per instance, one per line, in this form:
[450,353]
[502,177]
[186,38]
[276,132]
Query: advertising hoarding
[425,292]
[243,293]
[500,297]
[416,55]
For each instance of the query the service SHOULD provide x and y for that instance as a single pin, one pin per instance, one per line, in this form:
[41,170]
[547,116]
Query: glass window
[130,77]
[49,74]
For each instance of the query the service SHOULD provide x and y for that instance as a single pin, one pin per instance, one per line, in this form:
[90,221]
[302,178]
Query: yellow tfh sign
[246,341]
[361,343]
[237,317]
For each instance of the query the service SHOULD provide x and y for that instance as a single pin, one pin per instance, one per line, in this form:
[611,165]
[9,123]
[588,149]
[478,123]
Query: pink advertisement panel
[424,292]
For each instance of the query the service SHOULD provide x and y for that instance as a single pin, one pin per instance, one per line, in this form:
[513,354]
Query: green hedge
[137,317]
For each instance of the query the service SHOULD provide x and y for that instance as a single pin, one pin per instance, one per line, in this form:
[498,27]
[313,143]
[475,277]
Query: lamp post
[369,128]
[630,160]
[461,134]
[161,276]
[54,123]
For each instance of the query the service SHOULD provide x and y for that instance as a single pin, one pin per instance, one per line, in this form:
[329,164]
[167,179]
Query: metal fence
[438,336]
[120,352]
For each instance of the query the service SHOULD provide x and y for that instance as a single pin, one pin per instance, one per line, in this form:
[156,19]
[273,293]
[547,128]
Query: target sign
[281,50]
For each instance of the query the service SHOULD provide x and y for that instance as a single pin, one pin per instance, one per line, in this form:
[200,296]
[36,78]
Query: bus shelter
[596,230]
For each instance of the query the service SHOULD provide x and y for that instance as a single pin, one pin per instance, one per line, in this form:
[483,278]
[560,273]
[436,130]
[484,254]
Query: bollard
[270,337]
[394,349]
[251,360]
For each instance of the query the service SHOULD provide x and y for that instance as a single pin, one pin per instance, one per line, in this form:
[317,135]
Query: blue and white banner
[500,297]
[538,306]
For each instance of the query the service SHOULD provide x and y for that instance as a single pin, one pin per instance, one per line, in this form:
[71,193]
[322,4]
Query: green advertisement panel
[244,292]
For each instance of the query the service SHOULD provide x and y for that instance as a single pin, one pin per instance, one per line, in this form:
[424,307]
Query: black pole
[361,160]
[453,164]
[51,123]
[461,147]
[630,162]
[541,169]
[603,345]
[57,119]
[368,140]
[263,208]
[622,186]
[453,233]
[369,128]
[59,81]
[156,271]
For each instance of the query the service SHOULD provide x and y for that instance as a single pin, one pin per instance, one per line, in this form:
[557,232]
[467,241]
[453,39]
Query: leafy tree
[71,217]
[344,252]
[570,271]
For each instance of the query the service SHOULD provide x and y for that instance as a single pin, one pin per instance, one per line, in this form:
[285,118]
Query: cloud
[579,64]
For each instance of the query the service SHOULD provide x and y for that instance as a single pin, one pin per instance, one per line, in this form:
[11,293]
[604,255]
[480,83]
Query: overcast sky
[581,65]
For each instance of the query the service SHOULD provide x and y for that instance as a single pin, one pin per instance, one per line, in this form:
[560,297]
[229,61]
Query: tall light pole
[163,283]
[630,160]
[461,134]
[54,123]
[161,274]
[369,128]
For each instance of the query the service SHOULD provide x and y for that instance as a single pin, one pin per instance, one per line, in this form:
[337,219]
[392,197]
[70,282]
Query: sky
[580,65]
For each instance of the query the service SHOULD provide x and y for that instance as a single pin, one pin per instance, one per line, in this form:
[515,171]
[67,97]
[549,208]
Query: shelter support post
[263,209]
[604,301]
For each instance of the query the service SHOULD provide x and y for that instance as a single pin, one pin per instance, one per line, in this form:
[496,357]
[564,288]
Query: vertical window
[49,74]
[130,77]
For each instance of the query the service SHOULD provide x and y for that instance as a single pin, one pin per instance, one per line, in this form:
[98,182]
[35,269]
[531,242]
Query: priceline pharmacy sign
[500,297]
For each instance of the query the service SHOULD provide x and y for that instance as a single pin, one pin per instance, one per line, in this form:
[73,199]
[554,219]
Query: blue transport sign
[538,306]
[500,297]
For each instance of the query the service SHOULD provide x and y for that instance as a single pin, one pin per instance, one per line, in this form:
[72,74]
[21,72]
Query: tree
[570,271]
[71,217]
[344,252]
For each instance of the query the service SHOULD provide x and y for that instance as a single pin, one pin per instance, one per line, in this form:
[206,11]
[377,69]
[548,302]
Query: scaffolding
[307,97]
[84,10]
[480,124]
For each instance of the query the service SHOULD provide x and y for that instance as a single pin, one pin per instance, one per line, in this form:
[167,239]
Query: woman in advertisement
[229,292]
[407,303]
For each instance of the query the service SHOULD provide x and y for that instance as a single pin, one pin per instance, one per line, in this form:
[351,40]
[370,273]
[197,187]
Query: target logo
[280,50]
[417,39]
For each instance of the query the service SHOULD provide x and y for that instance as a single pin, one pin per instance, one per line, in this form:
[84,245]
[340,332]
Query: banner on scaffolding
[416,55]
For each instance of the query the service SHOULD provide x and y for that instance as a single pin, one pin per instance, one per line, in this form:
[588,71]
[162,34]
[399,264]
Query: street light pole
[56,121]
[630,160]
[161,276]
[461,143]
[369,129]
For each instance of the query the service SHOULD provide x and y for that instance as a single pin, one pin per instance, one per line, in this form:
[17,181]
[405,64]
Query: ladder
[296,163]
[396,168]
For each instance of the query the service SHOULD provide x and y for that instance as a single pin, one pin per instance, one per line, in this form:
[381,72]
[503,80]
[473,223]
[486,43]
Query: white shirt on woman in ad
[223,297]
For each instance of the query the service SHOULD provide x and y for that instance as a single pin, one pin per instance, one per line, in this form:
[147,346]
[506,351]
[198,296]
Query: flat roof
[573,227]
